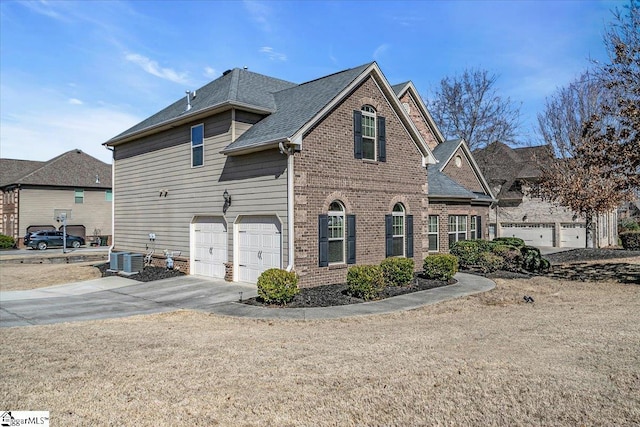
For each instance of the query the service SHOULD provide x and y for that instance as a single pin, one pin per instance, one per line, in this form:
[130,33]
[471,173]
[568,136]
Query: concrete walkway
[113,297]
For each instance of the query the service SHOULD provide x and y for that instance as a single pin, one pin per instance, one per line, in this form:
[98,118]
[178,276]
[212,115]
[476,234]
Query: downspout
[290,205]
[113,201]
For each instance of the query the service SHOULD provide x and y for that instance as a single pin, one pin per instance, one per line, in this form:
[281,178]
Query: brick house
[250,172]
[512,174]
[34,194]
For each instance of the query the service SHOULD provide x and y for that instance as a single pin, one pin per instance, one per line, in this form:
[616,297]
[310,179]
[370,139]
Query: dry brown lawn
[17,277]
[572,358]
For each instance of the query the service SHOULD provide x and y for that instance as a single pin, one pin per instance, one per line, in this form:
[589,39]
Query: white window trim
[369,111]
[436,233]
[343,238]
[457,230]
[195,146]
[472,227]
[75,196]
[395,215]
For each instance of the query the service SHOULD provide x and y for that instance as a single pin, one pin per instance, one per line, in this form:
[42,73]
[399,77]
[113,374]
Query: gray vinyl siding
[256,182]
[37,208]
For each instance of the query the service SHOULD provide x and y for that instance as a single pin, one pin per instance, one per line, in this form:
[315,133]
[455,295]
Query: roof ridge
[335,74]
[47,163]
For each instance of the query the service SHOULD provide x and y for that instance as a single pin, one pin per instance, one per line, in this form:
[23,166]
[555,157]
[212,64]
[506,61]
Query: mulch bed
[149,274]
[330,295]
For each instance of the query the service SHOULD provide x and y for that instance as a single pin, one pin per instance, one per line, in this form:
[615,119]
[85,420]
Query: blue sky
[75,74]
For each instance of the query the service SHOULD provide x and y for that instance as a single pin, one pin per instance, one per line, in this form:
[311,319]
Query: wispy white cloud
[75,101]
[210,72]
[260,13]
[45,8]
[153,68]
[272,54]
[380,50]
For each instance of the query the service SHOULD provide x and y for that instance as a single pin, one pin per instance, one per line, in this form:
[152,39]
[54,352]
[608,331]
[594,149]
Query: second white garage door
[573,235]
[259,247]
[532,234]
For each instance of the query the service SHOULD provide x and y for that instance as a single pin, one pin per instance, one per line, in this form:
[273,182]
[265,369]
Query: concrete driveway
[115,296]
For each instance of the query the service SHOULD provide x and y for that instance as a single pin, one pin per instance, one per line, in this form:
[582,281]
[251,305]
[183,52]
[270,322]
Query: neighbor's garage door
[259,242]
[532,234]
[573,235]
[210,252]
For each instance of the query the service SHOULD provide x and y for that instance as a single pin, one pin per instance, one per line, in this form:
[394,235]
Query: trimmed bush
[397,271]
[440,266]
[467,252]
[365,281]
[7,242]
[630,240]
[628,224]
[511,256]
[513,241]
[490,262]
[277,286]
[532,260]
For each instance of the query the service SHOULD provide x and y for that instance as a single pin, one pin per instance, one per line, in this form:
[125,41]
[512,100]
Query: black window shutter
[323,240]
[351,239]
[357,134]
[382,140]
[388,235]
[479,233]
[409,220]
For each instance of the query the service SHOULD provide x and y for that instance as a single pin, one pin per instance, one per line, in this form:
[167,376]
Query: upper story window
[79,196]
[369,150]
[369,135]
[108,195]
[197,145]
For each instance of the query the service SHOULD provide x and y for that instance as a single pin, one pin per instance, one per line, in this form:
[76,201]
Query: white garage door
[259,241]
[532,234]
[210,252]
[573,235]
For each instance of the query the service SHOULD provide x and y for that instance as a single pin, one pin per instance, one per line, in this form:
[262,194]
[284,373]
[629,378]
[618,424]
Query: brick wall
[326,170]
[464,173]
[419,120]
[444,209]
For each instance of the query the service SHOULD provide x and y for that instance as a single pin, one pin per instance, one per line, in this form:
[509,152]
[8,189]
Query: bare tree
[570,178]
[468,106]
[593,125]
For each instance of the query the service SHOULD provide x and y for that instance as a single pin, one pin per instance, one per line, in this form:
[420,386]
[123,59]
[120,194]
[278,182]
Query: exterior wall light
[227,201]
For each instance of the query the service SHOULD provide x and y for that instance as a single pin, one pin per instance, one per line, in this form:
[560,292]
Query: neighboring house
[512,173]
[35,195]
[630,211]
[250,172]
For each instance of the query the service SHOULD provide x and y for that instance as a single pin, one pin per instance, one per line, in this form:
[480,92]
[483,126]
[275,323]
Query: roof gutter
[263,145]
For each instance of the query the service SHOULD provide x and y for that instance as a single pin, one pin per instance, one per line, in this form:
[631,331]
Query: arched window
[336,224]
[398,230]
[369,133]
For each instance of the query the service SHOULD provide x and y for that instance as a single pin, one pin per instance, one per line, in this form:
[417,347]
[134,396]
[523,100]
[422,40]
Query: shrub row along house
[251,172]
[512,174]
[35,195]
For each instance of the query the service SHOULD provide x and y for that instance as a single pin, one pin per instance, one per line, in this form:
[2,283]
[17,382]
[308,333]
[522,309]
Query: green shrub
[532,260]
[467,252]
[365,281]
[513,241]
[490,262]
[277,286]
[628,224]
[630,240]
[511,256]
[397,271]
[7,242]
[440,266]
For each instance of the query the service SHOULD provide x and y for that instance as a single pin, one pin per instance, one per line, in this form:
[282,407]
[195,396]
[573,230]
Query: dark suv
[45,238]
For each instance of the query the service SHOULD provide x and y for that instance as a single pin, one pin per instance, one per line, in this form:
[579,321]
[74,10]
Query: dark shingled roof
[238,86]
[505,166]
[71,169]
[296,106]
[445,150]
